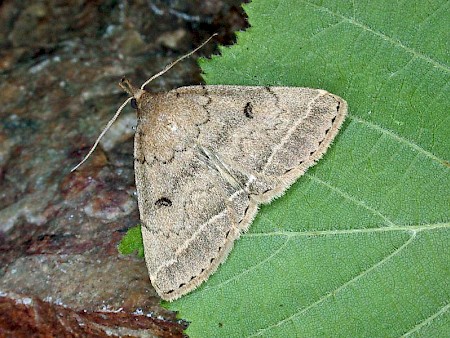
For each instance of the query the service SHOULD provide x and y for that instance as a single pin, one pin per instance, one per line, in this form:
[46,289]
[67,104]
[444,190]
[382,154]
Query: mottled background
[60,62]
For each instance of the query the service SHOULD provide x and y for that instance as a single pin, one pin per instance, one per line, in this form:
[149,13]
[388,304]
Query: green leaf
[359,246]
[132,242]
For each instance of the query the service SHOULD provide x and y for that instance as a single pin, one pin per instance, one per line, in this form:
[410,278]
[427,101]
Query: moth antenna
[114,118]
[176,61]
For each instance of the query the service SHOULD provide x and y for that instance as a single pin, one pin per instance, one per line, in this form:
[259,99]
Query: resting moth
[207,156]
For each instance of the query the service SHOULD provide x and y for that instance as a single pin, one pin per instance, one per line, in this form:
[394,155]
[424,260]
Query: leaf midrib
[402,228]
[290,234]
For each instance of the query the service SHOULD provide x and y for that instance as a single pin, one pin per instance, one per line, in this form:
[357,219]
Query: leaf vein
[431,15]
[337,290]
[427,321]
[398,138]
[385,37]
[248,270]
[351,198]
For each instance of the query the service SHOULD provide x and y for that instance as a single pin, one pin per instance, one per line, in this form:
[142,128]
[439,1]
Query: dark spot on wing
[248,110]
[163,202]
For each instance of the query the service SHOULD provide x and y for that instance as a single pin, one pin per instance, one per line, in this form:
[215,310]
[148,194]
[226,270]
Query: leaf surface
[359,246]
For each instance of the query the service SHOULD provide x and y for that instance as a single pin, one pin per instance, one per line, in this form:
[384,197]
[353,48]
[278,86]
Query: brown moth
[207,156]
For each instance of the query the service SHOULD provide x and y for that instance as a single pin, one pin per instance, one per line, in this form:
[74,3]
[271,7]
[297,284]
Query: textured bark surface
[59,68]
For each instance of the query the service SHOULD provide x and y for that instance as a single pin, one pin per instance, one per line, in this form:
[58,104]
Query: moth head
[137,98]
[135,92]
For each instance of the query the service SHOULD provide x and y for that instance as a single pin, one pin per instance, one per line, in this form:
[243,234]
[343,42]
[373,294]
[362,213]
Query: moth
[207,156]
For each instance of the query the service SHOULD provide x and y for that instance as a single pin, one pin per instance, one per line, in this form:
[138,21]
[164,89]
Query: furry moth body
[207,156]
